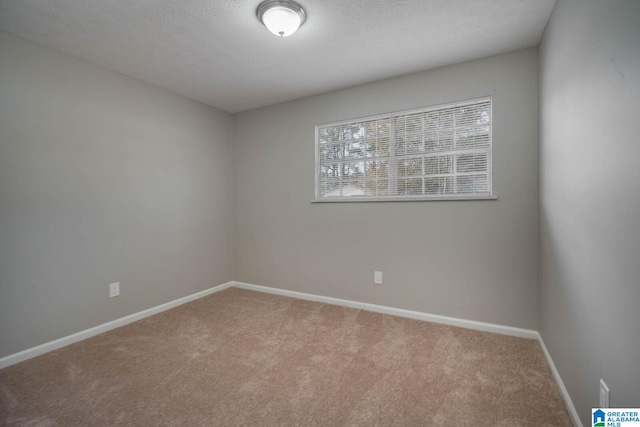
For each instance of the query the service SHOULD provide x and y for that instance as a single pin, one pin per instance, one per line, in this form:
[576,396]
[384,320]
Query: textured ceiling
[216,51]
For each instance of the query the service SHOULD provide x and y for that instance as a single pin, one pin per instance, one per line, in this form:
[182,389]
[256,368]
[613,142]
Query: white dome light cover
[281,17]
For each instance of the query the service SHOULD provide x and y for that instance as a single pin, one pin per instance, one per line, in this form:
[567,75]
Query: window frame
[404,198]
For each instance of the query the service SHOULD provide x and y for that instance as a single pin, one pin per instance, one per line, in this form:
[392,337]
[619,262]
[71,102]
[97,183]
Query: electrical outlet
[377,277]
[114,289]
[604,395]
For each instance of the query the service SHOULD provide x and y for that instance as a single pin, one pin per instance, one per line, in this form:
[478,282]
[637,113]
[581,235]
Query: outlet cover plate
[114,289]
[377,277]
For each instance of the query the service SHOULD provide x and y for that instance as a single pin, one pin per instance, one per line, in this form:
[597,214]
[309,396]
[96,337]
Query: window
[435,153]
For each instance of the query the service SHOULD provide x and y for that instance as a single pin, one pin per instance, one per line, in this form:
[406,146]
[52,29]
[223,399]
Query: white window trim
[405,198]
[439,198]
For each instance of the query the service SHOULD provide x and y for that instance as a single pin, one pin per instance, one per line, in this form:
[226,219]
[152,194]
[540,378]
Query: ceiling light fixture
[281,17]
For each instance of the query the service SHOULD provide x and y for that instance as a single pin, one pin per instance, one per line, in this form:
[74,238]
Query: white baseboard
[435,318]
[29,353]
[563,390]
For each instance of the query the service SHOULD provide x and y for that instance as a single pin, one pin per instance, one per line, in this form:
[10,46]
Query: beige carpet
[247,358]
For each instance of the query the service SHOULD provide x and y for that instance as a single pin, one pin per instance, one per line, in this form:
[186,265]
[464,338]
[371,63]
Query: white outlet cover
[377,277]
[114,289]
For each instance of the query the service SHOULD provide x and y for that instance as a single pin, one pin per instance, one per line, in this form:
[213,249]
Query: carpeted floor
[246,358]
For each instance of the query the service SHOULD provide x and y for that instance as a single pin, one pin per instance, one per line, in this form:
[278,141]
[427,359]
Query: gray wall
[590,198]
[102,179]
[471,259]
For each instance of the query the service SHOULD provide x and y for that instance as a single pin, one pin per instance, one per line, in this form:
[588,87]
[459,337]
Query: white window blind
[441,152]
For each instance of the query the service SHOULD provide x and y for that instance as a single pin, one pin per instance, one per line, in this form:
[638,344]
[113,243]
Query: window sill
[357,199]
